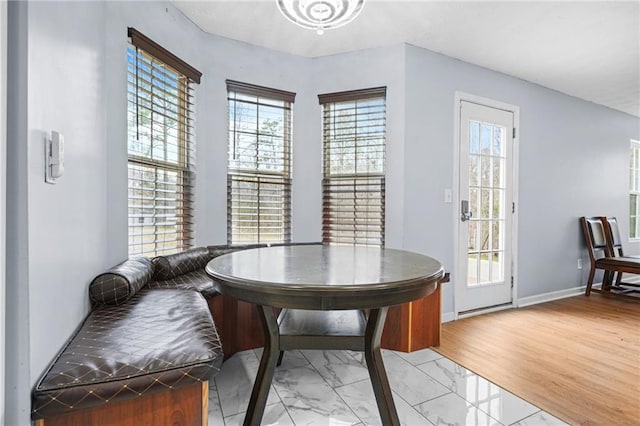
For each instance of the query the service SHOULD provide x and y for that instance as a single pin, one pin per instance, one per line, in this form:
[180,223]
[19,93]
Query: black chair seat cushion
[618,262]
[197,280]
[155,341]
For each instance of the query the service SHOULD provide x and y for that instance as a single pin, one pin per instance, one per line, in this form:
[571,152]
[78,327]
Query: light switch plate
[448,196]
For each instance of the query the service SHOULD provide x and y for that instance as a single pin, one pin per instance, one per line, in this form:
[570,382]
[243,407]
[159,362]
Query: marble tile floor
[333,388]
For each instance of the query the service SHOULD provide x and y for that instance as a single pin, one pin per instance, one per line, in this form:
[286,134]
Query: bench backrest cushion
[197,280]
[215,251]
[173,265]
[120,283]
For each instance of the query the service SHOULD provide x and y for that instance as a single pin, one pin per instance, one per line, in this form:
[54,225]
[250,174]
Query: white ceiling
[590,50]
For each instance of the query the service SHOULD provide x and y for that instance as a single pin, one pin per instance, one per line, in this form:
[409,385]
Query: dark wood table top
[322,277]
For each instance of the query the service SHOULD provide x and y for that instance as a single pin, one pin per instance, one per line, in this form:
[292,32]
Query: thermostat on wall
[54,157]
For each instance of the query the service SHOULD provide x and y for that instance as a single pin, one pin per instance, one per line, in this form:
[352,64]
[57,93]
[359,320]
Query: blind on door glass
[354,127]
[160,153]
[259,177]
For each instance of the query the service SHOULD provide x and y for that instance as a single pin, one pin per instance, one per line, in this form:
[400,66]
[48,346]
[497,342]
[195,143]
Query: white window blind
[354,127]
[634,190]
[259,177]
[160,148]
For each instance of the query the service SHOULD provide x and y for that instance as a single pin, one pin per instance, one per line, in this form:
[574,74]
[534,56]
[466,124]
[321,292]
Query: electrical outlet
[579,263]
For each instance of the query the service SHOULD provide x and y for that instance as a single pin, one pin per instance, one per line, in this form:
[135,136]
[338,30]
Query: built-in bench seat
[155,341]
[144,353]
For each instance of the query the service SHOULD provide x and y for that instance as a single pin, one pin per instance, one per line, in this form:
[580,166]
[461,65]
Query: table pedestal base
[300,329]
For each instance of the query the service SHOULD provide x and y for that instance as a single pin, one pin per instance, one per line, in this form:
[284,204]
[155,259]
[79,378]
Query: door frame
[515,110]
[4,34]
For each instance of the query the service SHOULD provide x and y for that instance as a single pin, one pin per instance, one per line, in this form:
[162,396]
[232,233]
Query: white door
[484,259]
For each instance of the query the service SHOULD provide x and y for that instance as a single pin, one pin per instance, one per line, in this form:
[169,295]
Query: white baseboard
[448,316]
[538,298]
[554,295]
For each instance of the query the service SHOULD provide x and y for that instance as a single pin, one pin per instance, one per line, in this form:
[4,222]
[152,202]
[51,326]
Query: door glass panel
[473,203]
[474,137]
[487,183]
[474,170]
[485,200]
[498,176]
[495,237]
[485,138]
[484,235]
[498,141]
[497,212]
[472,236]
[485,176]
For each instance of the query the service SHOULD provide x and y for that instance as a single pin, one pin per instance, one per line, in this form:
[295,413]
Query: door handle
[465,214]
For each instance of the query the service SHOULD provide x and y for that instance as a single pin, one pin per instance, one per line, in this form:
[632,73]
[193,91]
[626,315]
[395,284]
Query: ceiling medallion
[320,15]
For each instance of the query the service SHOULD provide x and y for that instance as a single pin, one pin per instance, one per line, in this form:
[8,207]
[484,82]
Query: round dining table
[324,297]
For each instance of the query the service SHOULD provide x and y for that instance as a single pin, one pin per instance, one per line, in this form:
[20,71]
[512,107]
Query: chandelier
[320,15]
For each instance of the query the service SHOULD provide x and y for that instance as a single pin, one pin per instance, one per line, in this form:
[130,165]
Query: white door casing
[486,170]
[3,207]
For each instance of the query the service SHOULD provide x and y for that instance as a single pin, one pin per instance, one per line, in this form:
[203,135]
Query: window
[634,190]
[259,178]
[354,126]
[160,148]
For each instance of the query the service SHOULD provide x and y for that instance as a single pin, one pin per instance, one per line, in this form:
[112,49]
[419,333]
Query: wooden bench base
[409,327]
[187,406]
[415,325]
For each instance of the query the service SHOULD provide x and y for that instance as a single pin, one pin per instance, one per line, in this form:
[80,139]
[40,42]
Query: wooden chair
[600,245]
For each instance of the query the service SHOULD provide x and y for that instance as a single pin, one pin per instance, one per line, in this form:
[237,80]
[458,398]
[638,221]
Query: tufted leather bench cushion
[185,270]
[121,282]
[155,341]
[197,280]
[174,265]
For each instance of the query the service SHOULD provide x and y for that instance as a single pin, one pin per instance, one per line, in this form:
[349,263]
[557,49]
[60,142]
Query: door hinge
[511,281]
[513,207]
[514,132]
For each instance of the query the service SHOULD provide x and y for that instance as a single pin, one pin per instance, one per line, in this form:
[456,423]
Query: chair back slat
[595,237]
[614,232]
[596,233]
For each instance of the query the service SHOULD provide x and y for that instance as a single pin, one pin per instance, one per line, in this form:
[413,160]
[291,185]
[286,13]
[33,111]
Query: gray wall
[361,70]
[67,72]
[218,59]
[17,380]
[57,237]
[573,161]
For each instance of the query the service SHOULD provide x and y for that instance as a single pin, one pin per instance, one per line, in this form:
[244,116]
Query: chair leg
[619,279]
[607,278]
[590,281]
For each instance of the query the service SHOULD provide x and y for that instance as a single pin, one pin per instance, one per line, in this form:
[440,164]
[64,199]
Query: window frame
[267,186]
[352,186]
[634,180]
[161,85]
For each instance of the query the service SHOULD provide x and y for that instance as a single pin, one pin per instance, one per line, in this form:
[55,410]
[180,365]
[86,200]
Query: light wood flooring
[576,358]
